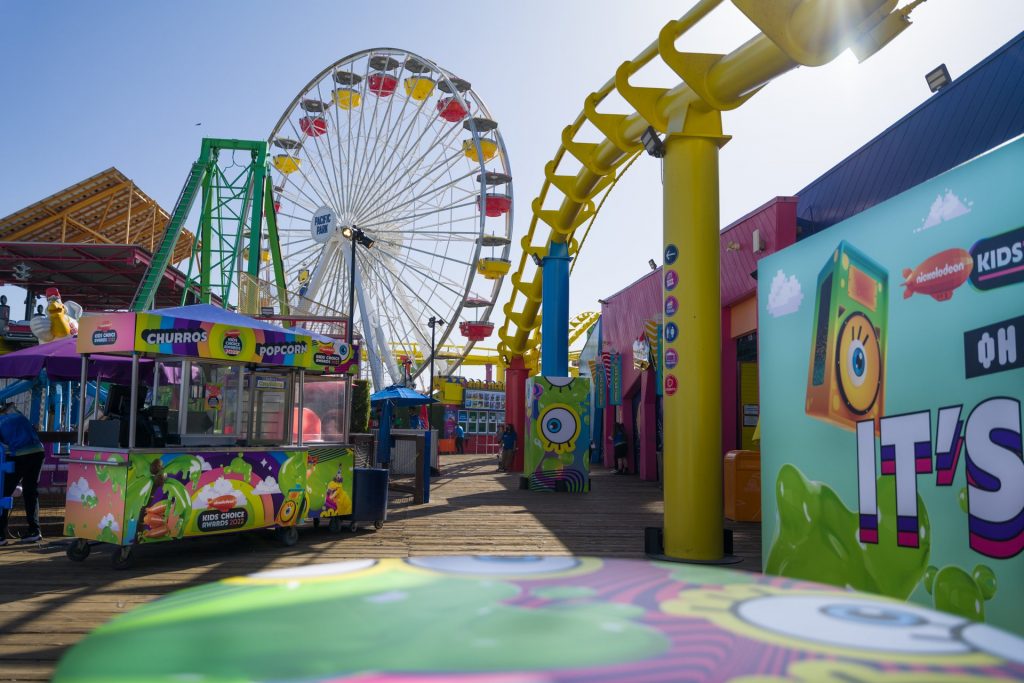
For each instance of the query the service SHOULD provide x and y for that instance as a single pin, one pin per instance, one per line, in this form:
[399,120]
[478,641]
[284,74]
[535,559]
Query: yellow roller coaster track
[793,33]
[578,326]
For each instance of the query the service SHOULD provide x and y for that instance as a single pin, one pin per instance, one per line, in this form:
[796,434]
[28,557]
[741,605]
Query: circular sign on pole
[671,254]
[671,306]
[671,358]
[671,280]
[671,385]
[323,224]
[671,332]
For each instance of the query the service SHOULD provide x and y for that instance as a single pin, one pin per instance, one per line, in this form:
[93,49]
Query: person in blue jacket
[22,447]
[508,448]
[460,439]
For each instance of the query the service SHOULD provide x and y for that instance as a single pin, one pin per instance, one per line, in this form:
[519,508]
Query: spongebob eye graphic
[344,351]
[558,427]
[485,564]
[857,623]
[559,381]
[858,361]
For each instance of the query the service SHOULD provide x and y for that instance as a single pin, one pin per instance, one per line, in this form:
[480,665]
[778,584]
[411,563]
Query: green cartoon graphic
[817,539]
[240,466]
[391,602]
[958,592]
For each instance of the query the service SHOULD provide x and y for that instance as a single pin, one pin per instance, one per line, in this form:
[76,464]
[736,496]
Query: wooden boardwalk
[48,603]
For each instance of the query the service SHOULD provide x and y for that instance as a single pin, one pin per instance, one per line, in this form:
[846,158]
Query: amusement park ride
[274,230]
[386,148]
[688,114]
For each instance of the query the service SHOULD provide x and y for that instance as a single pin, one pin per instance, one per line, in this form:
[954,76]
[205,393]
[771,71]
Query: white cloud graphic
[785,296]
[79,489]
[221,487]
[109,522]
[203,464]
[946,207]
[268,485]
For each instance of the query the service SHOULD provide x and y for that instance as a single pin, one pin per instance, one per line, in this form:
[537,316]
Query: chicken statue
[60,319]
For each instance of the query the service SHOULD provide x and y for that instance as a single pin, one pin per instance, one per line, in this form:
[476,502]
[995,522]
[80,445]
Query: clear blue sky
[88,84]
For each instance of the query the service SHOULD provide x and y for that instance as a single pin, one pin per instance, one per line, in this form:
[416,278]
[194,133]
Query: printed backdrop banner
[615,380]
[556,446]
[892,377]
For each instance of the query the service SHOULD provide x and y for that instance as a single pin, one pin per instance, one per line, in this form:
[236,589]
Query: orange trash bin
[743,486]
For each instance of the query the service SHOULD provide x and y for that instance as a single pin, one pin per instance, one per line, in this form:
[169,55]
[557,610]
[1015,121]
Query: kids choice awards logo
[104,334]
[232,343]
[327,356]
[999,260]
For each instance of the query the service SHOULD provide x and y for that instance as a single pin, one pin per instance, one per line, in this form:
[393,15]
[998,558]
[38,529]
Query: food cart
[221,442]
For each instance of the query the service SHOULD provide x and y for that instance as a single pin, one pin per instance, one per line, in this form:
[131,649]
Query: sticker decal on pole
[671,332]
[671,306]
[671,280]
[671,385]
[671,358]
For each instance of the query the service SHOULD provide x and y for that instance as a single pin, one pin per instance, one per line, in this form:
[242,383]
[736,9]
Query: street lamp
[433,322]
[355,235]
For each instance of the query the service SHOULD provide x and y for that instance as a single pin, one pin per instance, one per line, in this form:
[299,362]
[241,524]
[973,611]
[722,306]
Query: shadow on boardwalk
[49,603]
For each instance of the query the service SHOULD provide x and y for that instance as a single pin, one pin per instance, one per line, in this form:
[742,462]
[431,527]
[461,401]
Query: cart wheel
[122,557]
[379,524]
[316,522]
[288,535]
[335,525]
[78,550]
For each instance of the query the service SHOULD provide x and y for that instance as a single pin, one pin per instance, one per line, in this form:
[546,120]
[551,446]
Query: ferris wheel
[387,156]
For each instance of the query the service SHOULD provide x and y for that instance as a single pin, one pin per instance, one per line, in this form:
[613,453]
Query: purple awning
[62,363]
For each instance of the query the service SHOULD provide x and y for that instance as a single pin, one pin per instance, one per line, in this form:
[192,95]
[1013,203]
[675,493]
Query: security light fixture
[652,143]
[652,264]
[351,232]
[938,78]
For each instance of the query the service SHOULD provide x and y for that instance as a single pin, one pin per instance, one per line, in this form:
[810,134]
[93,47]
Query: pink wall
[623,314]
[776,221]
[622,320]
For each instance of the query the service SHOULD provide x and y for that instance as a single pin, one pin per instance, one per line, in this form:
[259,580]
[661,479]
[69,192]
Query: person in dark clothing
[22,447]
[621,449]
[460,439]
[508,448]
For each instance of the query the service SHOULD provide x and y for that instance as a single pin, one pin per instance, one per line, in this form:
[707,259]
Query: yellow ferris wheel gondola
[347,98]
[419,88]
[345,95]
[492,267]
[286,163]
[488,148]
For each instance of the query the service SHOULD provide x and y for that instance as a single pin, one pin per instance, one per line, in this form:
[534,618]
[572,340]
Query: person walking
[22,446]
[460,439]
[508,448]
[619,441]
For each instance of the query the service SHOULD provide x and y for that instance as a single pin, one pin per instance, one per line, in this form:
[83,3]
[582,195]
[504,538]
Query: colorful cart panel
[142,497]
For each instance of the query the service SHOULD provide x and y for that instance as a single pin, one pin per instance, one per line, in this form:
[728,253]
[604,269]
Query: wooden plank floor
[48,603]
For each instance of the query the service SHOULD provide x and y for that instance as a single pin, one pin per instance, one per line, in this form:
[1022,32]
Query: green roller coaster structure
[237,202]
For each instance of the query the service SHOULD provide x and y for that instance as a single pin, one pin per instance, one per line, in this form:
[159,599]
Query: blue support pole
[554,332]
[384,435]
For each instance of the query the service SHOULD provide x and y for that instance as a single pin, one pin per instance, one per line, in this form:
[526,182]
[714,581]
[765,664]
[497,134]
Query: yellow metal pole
[692,374]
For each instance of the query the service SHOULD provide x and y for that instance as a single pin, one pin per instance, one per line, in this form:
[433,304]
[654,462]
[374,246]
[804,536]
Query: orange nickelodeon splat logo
[939,275]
